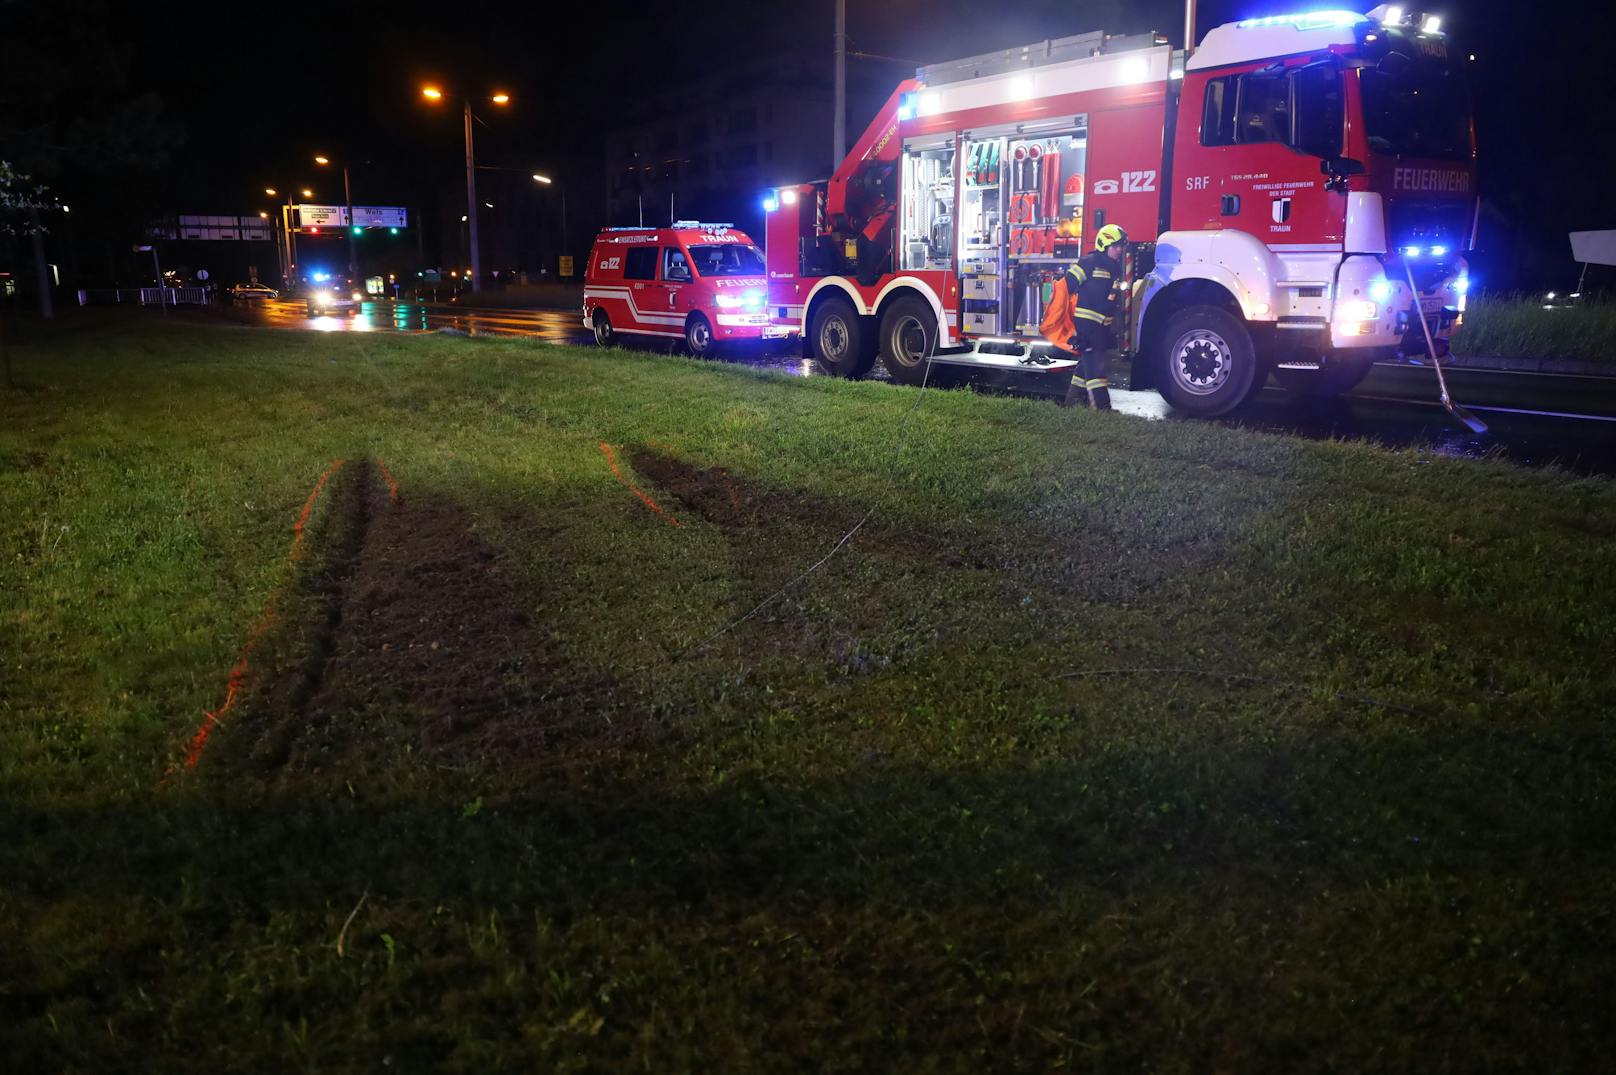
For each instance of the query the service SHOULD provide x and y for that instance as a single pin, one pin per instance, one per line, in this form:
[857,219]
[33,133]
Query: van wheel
[604,334]
[908,338]
[838,340]
[1207,365]
[699,337]
[1341,373]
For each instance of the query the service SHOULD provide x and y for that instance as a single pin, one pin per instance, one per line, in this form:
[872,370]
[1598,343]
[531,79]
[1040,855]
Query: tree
[67,112]
[21,201]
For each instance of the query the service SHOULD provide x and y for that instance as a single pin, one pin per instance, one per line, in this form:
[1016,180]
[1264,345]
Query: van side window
[676,269]
[640,263]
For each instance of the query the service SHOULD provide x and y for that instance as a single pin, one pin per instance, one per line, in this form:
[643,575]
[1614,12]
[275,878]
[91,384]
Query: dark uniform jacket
[1085,299]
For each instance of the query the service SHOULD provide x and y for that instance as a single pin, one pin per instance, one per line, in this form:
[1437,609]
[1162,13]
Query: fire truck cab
[1292,190]
[703,283]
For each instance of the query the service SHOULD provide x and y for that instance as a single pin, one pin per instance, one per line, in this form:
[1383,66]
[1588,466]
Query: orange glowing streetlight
[501,98]
[271,191]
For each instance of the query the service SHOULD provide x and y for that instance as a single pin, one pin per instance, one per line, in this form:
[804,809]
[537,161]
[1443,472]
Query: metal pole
[353,271]
[157,267]
[1189,28]
[839,120]
[41,269]
[471,203]
[563,221]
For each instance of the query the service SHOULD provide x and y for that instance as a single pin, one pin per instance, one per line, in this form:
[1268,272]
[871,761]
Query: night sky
[257,92]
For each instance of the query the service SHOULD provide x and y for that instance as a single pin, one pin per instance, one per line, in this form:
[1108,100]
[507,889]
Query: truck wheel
[838,341]
[604,334]
[1341,373]
[699,337]
[908,337]
[1206,365]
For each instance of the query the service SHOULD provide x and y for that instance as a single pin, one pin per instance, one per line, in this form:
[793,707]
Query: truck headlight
[729,302]
[1357,310]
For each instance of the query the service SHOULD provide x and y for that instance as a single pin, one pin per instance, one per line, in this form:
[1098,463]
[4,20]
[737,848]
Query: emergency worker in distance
[1081,311]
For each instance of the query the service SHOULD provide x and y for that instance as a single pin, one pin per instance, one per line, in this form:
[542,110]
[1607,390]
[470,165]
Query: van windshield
[727,259]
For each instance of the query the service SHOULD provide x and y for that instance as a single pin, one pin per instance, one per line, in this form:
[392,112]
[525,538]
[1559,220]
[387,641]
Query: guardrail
[145,296]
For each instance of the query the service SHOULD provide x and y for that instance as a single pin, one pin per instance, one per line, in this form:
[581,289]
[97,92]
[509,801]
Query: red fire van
[704,283]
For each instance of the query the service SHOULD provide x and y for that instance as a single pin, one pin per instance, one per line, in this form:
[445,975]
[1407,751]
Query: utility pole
[347,197]
[839,121]
[471,203]
[47,308]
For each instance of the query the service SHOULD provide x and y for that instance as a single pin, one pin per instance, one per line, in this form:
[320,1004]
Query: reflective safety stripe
[1101,274]
[1078,274]
[1088,315]
[1097,382]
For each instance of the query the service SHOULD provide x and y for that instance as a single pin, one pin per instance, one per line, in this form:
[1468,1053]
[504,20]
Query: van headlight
[1357,310]
[729,302]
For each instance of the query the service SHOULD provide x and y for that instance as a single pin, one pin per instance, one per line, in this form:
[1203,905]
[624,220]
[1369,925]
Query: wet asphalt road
[1534,418]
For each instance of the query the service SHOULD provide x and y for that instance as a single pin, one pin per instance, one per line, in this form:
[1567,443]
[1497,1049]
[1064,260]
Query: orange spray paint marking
[387,476]
[266,619]
[611,461]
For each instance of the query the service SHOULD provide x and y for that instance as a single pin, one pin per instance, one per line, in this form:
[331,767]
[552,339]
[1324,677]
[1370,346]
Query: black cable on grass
[1243,678]
[897,451]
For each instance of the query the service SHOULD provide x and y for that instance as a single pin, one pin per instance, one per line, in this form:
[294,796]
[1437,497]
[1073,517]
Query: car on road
[253,290]
[702,283]
[324,296]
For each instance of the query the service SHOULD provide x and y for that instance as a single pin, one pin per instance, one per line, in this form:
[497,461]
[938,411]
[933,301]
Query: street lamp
[547,181]
[347,198]
[433,93]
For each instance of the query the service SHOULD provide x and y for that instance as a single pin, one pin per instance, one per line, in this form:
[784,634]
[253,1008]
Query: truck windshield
[727,259]
[1421,110]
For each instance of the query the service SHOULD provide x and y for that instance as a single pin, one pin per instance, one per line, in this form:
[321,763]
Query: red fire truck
[1292,188]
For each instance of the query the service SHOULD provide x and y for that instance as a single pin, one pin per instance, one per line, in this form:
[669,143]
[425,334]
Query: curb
[1574,366]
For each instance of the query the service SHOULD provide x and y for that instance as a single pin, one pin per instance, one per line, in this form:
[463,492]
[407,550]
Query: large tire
[907,338]
[1340,373]
[1206,364]
[839,341]
[699,338]
[605,335]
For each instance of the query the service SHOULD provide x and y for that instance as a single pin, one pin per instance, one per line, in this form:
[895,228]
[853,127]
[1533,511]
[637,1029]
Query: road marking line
[1485,407]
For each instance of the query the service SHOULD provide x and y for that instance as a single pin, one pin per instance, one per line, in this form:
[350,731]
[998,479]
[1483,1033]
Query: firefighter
[1078,320]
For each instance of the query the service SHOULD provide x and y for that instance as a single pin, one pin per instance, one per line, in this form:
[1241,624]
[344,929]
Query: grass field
[1517,326]
[1105,745]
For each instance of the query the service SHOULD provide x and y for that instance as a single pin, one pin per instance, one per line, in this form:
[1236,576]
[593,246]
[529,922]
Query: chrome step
[1004,354]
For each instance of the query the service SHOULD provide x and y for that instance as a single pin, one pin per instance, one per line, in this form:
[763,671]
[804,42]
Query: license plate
[1431,304]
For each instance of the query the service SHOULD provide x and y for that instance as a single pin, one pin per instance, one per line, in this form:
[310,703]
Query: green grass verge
[1515,326]
[878,827]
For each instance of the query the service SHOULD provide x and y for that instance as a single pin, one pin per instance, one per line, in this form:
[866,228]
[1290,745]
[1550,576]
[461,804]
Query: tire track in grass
[266,619]
[617,472]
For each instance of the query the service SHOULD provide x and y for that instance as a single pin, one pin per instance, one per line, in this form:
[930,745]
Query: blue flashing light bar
[1308,20]
[770,204]
[908,106]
